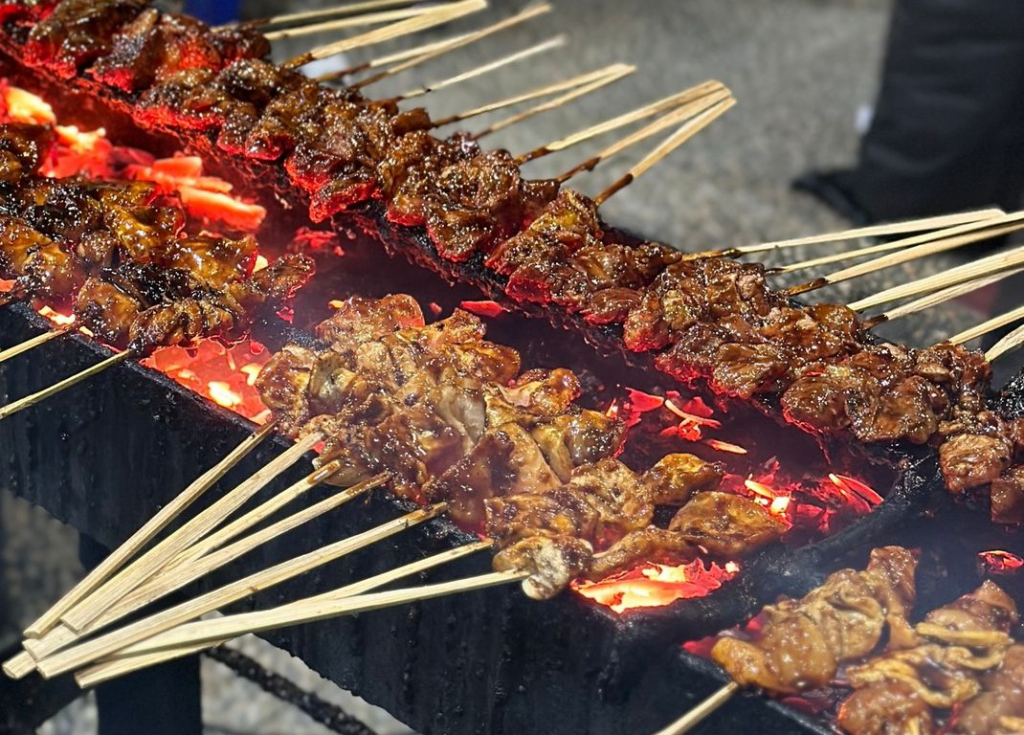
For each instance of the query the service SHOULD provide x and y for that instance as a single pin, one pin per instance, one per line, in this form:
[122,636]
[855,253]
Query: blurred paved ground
[800,68]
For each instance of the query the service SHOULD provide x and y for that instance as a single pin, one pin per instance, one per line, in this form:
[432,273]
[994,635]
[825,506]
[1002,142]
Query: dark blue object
[213,12]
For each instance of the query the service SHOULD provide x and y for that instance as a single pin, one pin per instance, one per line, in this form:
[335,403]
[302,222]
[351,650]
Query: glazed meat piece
[843,620]
[982,618]
[574,438]
[407,172]
[475,205]
[23,148]
[676,477]
[78,32]
[954,644]
[157,45]
[561,511]
[552,563]
[18,242]
[283,385]
[182,322]
[689,292]
[361,320]
[891,708]
[1007,496]
[972,460]
[999,708]
[107,310]
[506,461]
[941,676]
[651,544]
[725,524]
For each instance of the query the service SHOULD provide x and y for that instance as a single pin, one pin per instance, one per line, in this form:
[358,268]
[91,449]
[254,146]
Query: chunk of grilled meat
[79,32]
[943,668]
[886,708]
[803,642]
[23,148]
[449,417]
[999,708]
[157,45]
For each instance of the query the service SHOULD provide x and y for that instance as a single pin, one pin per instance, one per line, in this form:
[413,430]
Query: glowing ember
[779,506]
[1000,562]
[760,489]
[655,585]
[23,106]
[490,309]
[692,418]
[205,197]
[857,487]
[225,375]
[61,320]
[644,402]
[721,446]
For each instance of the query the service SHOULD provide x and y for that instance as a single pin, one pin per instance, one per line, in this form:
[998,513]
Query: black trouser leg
[948,131]
[163,700]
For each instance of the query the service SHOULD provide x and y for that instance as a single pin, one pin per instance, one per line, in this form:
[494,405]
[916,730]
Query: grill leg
[163,700]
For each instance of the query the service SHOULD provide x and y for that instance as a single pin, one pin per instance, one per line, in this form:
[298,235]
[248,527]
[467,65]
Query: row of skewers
[701,316]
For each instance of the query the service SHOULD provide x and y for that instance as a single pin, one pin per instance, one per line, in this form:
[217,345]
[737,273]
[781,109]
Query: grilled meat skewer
[450,417]
[120,260]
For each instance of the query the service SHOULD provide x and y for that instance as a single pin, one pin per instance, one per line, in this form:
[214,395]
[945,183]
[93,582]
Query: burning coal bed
[811,491]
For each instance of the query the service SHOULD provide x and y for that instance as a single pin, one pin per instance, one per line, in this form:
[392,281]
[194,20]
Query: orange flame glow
[1000,562]
[655,585]
[722,446]
[225,375]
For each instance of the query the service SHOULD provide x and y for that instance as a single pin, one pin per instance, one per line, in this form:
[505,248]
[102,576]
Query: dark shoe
[826,187]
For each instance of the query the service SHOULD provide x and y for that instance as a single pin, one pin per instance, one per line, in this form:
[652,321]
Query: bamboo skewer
[1006,345]
[311,610]
[457,43]
[699,713]
[970,271]
[207,556]
[120,556]
[105,645]
[440,16]
[360,20]
[28,401]
[316,15]
[614,73]
[655,108]
[893,228]
[939,297]
[686,112]
[884,247]
[907,255]
[551,43]
[120,665]
[30,344]
[544,91]
[683,134]
[47,634]
[190,567]
[990,325]
[152,561]
[394,58]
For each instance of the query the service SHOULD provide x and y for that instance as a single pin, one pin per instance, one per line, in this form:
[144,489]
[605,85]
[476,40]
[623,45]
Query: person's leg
[948,129]
[163,700]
